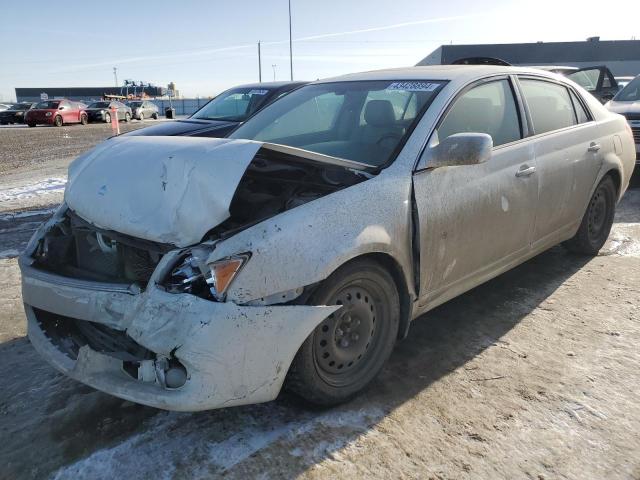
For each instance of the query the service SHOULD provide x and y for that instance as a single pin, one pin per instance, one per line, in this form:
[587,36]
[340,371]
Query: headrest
[379,113]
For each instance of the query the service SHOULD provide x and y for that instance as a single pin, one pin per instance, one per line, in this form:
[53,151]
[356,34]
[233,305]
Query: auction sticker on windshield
[258,92]
[414,86]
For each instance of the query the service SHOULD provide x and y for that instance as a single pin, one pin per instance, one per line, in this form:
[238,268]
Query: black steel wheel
[597,220]
[349,348]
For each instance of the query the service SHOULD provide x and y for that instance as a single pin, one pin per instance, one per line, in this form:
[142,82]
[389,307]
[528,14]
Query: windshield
[234,105]
[19,106]
[361,121]
[99,105]
[134,104]
[630,93]
[48,105]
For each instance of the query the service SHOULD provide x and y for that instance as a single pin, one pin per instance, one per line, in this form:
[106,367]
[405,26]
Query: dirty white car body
[439,225]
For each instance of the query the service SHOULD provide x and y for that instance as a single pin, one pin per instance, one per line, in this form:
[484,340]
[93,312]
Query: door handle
[525,171]
[593,147]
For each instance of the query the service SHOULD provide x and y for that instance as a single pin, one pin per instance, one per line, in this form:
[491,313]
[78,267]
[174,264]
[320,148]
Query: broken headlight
[210,281]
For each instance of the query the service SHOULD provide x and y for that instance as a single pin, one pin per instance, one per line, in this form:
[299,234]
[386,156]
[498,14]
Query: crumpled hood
[164,189]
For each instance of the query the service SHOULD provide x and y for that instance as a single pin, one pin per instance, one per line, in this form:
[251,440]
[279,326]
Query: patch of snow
[7,217]
[44,187]
[201,443]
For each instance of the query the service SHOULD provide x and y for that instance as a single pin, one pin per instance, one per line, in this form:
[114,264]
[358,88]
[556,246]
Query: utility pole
[274,71]
[259,64]
[115,75]
[290,44]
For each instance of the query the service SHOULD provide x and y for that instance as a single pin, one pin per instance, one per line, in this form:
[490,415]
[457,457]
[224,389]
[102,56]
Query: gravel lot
[533,375]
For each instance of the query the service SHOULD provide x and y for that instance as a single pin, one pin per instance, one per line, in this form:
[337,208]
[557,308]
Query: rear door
[598,80]
[475,220]
[567,149]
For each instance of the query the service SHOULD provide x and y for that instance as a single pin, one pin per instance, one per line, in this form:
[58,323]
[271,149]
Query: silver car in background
[193,273]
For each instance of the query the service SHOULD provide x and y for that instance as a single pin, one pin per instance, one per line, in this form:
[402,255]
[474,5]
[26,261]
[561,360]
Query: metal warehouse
[621,56]
[82,93]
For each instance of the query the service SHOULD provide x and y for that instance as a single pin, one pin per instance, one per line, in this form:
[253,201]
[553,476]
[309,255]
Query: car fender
[303,246]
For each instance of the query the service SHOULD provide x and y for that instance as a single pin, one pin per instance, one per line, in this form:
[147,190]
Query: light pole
[115,75]
[259,64]
[290,45]
[274,71]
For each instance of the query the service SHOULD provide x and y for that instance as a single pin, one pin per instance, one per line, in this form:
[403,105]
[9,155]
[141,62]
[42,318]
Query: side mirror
[60,108]
[460,149]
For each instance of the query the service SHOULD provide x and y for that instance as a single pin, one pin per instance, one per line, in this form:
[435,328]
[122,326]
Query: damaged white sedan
[193,273]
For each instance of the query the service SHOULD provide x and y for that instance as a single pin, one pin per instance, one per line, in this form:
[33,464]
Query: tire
[127,117]
[107,118]
[141,117]
[349,348]
[57,121]
[84,119]
[4,123]
[597,220]
[31,125]
[154,116]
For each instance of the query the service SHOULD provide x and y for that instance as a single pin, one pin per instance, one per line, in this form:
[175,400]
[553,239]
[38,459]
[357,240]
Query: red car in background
[57,113]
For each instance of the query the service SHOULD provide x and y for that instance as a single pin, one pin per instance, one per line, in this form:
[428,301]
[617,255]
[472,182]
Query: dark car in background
[221,115]
[142,109]
[56,113]
[15,113]
[102,111]
[597,80]
[627,103]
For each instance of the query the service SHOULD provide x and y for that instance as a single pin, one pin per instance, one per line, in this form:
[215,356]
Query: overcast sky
[207,46]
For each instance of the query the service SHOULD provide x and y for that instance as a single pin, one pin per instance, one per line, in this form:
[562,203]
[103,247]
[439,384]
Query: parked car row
[62,111]
[195,273]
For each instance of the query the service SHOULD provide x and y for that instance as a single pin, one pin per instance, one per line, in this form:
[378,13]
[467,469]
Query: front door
[475,220]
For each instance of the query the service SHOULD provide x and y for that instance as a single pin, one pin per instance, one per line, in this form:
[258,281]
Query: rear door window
[549,105]
[488,108]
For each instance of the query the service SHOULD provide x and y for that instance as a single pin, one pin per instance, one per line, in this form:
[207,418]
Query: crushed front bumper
[233,354]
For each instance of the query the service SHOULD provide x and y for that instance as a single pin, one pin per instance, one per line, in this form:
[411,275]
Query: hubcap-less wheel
[127,117]
[107,118]
[141,116]
[349,347]
[58,121]
[344,338]
[597,214]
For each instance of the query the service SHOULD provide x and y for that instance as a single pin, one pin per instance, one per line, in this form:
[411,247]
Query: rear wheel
[127,117]
[349,348]
[141,116]
[57,121]
[596,223]
[107,118]
[155,116]
[31,124]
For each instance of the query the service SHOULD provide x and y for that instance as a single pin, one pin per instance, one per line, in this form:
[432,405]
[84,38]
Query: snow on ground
[170,441]
[31,190]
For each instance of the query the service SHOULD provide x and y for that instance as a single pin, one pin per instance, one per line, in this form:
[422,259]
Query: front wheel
[31,124]
[84,120]
[597,220]
[57,121]
[349,348]
[154,116]
[107,118]
[127,117]
[141,116]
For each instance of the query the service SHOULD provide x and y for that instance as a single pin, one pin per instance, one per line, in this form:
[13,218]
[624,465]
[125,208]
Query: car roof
[458,73]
